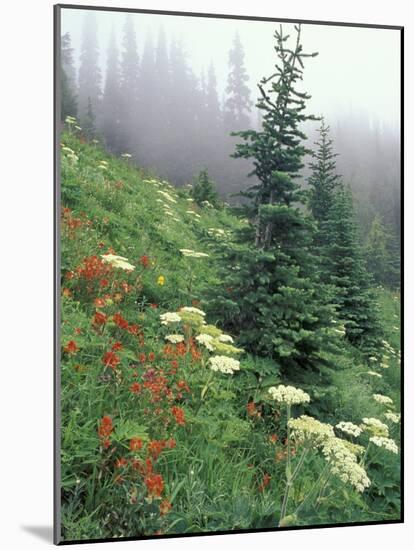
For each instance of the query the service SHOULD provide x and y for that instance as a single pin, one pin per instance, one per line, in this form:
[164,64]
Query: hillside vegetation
[168,425]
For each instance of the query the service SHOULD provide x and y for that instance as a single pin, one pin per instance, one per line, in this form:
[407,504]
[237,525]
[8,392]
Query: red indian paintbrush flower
[71,347]
[135,444]
[111,359]
[178,414]
[105,426]
[144,261]
[135,387]
[155,484]
[99,318]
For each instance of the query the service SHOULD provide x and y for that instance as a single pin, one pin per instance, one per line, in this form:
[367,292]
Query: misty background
[169,90]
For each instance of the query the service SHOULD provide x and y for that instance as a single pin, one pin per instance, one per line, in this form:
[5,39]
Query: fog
[354,83]
[357,70]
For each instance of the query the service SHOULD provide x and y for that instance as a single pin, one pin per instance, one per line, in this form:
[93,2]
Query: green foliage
[226,468]
[89,121]
[344,269]
[204,191]
[276,303]
[336,243]
[68,102]
[382,255]
[238,103]
[323,179]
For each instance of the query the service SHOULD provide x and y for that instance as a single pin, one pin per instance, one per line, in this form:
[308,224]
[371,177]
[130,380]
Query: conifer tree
[345,270]
[129,89]
[68,99]
[336,243]
[89,72]
[323,179]
[212,101]
[181,121]
[273,297]
[89,122]
[381,254]
[111,101]
[204,189]
[69,105]
[238,104]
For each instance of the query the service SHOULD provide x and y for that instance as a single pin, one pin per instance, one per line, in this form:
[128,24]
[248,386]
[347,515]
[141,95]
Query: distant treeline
[153,106]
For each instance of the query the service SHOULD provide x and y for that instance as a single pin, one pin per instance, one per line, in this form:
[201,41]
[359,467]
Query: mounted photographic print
[228,274]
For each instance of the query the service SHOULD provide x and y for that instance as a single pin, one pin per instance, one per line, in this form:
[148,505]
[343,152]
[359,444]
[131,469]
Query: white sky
[357,70]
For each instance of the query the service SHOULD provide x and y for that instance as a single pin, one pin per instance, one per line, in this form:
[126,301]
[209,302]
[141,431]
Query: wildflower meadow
[223,367]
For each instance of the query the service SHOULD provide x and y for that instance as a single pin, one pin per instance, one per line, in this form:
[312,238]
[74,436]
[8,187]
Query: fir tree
[345,270]
[277,148]
[273,297]
[337,246]
[89,121]
[69,105]
[381,254]
[129,89]
[89,72]
[111,100]
[238,104]
[181,122]
[212,101]
[147,138]
[323,179]
[204,190]
[68,99]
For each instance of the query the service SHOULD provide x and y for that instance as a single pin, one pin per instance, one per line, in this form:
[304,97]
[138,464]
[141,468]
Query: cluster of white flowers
[383,399]
[349,428]
[117,261]
[307,428]
[126,156]
[103,165]
[192,254]
[205,340]
[344,463]
[225,338]
[169,317]
[373,373]
[385,442]
[392,417]
[289,395]
[166,195]
[175,338]
[193,213]
[70,120]
[375,426]
[218,233]
[189,309]
[226,365]
[70,153]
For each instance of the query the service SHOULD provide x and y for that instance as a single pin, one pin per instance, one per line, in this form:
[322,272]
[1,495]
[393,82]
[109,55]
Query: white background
[26,416]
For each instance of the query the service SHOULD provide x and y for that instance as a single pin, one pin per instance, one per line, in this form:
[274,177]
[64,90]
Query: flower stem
[314,487]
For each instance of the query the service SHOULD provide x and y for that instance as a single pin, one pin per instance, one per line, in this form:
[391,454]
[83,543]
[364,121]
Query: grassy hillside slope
[154,440]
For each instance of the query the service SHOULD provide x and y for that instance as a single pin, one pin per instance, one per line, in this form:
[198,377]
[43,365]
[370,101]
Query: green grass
[213,474]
